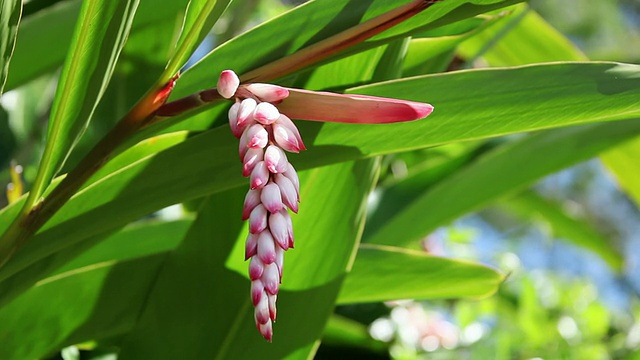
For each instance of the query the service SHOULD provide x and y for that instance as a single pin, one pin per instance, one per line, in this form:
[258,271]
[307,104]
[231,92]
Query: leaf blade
[9,20]
[382,273]
[99,37]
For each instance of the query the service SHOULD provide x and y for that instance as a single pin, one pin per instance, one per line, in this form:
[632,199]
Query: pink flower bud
[280,260]
[228,83]
[286,135]
[266,248]
[251,158]
[265,113]
[258,219]
[257,136]
[271,198]
[292,175]
[233,120]
[289,227]
[271,279]
[288,192]
[267,92]
[256,268]
[257,292]
[275,159]
[259,176]
[251,246]
[245,111]
[279,231]
[266,330]
[272,306]
[261,312]
[251,200]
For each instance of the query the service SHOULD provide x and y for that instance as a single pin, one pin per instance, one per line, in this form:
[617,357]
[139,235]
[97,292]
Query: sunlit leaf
[623,162]
[99,36]
[382,273]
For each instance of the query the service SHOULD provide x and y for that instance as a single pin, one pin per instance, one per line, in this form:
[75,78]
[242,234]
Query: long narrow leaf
[199,18]
[382,273]
[10,11]
[99,37]
[624,162]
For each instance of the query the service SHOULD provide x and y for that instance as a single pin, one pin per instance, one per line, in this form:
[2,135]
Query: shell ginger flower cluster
[264,135]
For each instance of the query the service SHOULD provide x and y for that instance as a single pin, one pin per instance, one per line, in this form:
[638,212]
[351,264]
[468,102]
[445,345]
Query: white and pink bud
[258,219]
[251,158]
[286,135]
[266,248]
[271,197]
[265,113]
[275,159]
[228,83]
[233,120]
[288,192]
[268,93]
[259,176]
[245,112]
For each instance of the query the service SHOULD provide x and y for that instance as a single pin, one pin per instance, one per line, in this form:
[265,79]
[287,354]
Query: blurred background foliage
[560,301]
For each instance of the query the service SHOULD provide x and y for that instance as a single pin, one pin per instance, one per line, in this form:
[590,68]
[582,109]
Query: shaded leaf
[97,295]
[10,11]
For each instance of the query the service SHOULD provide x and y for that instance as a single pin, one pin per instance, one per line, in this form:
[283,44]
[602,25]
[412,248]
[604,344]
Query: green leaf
[42,42]
[313,22]
[201,284]
[623,162]
[500,173]
[496,102]
[10,11]
[441,43]
[100,294]
[343,332]
[531,206]
[99,36]
[198,21]
[382,273]
[519,39]
[45,37]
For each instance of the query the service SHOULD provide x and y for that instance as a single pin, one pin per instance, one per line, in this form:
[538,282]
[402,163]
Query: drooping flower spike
[258,120]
